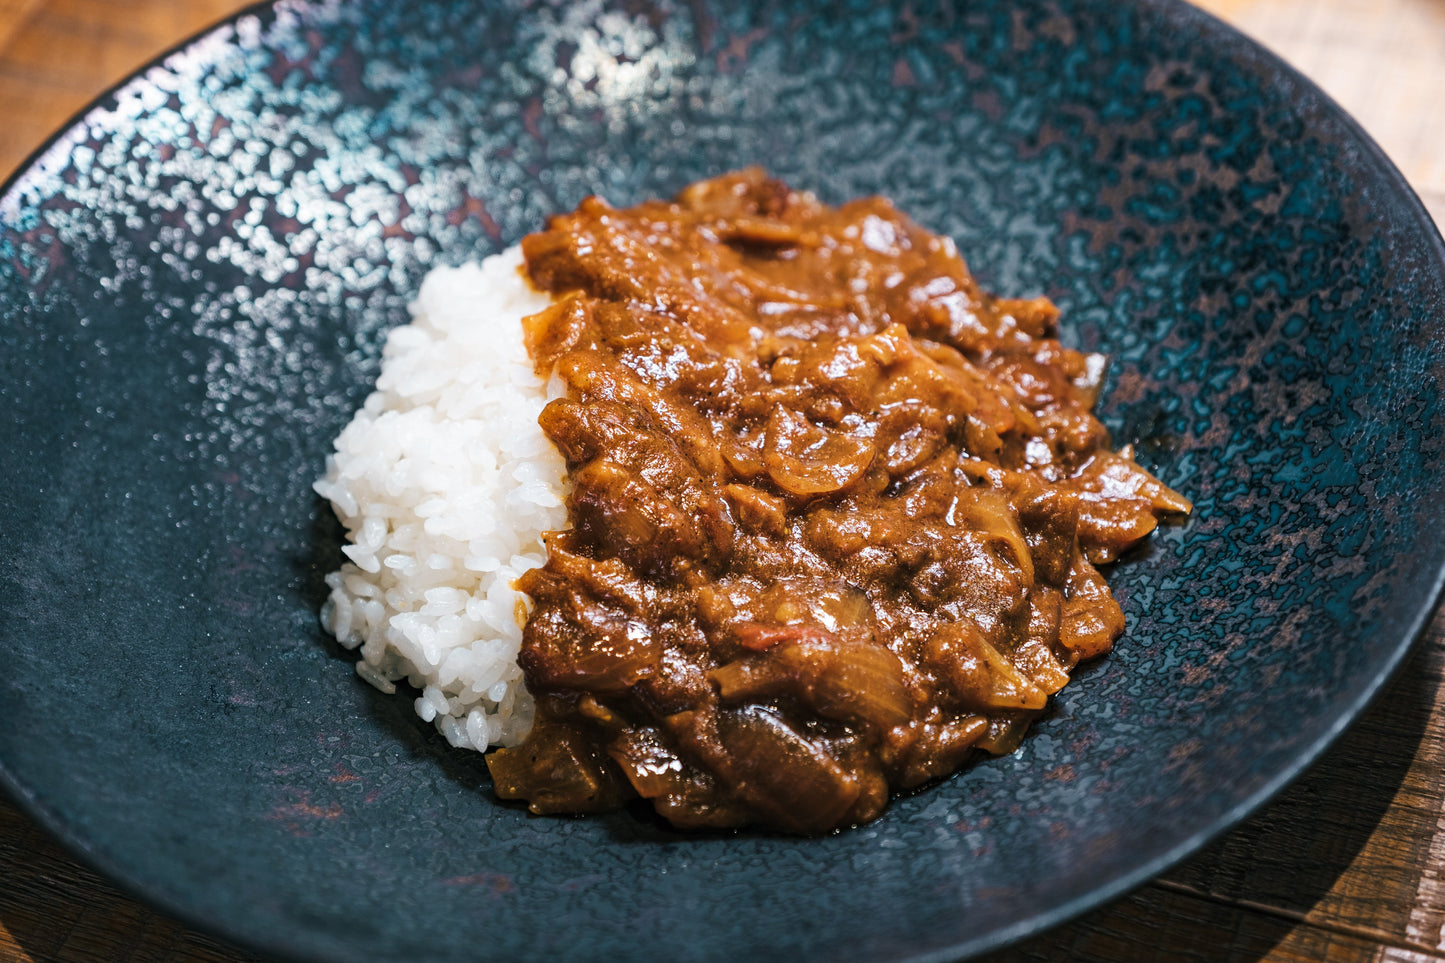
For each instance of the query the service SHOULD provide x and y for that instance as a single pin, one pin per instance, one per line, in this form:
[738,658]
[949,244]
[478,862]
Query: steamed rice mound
[445,484]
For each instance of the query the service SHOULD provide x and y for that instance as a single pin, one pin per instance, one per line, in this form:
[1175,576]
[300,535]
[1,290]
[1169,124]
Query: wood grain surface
[1345,866]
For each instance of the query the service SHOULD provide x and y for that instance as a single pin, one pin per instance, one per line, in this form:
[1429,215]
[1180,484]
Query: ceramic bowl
[197,275]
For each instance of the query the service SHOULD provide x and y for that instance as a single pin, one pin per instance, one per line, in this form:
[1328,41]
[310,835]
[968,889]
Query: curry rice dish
[773,508]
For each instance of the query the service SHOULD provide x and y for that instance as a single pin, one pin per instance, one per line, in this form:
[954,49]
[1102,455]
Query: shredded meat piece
[835,511]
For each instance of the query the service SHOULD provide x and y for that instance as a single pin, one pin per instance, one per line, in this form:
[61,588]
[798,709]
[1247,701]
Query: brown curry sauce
[835,511]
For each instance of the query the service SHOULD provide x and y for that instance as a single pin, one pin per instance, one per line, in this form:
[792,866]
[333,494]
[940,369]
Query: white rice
[445,484]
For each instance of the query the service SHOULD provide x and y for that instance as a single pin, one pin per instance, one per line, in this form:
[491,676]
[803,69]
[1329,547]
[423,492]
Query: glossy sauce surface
[835,511]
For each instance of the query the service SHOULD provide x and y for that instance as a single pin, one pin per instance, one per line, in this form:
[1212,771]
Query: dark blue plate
[195,279]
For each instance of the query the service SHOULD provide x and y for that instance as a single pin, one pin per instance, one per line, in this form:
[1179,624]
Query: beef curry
[835,511]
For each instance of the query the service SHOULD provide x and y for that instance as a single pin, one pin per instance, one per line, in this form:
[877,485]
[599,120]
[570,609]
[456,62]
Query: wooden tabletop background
[1346,865]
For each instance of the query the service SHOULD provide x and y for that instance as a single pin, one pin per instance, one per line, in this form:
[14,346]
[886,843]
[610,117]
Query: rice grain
[445,483]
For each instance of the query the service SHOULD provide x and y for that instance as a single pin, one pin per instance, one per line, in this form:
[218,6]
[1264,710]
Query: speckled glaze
[195,280]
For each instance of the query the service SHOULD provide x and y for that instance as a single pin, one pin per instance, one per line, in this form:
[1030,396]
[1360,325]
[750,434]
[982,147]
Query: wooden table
[1345,866]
